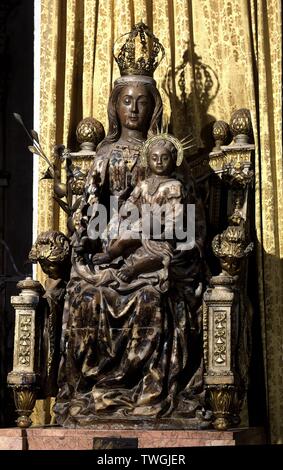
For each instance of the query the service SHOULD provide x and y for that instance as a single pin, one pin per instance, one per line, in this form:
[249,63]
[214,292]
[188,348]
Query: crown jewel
[141,53]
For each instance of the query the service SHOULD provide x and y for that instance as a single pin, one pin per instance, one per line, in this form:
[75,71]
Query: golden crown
[141,53]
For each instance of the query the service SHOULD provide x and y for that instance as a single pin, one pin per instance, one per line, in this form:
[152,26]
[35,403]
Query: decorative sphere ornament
[220,132]
[90,130]
[24,422]
[241,125]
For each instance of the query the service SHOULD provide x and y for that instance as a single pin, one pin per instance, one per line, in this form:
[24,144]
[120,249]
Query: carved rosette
[24,376]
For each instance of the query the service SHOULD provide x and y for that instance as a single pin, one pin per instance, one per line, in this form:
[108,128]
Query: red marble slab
[82,439]
[56,438]
[11,439]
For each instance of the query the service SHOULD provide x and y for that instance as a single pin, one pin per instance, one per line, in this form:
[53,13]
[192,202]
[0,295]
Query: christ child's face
[160,160]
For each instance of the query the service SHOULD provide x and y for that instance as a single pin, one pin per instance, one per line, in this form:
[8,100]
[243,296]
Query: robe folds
[132,349]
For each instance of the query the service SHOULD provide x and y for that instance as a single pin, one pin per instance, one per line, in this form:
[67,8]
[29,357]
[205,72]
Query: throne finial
[141,53]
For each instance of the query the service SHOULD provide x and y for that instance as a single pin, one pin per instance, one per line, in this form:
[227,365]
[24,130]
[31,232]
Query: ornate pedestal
[23,379]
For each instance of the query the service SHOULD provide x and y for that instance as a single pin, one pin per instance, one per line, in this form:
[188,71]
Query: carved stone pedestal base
[24,397]
[24,376]
[55,438]
[221,399]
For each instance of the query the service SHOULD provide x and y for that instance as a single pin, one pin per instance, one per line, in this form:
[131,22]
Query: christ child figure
[144,253]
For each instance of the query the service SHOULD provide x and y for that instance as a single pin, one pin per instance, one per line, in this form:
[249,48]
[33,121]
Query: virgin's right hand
[86,245]
[81,246]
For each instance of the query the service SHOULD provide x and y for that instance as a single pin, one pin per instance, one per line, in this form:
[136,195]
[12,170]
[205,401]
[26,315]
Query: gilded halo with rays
[180,145]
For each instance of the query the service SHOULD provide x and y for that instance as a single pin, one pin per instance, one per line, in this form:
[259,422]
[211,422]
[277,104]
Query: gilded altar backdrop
[220,56]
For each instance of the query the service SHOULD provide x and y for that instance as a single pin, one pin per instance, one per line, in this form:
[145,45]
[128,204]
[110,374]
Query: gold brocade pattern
[224,55]
[269,207]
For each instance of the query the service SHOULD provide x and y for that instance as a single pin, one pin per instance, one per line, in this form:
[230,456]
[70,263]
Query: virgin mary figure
[130,349]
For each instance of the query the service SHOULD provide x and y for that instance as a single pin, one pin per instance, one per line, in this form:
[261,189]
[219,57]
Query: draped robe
[130,348]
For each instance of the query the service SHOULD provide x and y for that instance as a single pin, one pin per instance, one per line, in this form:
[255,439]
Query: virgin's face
[134,107]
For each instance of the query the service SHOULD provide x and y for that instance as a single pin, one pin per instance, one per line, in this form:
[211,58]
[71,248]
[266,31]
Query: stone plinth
[12,439]
[56,438]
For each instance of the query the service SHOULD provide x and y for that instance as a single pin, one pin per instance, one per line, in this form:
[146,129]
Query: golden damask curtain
[220,56]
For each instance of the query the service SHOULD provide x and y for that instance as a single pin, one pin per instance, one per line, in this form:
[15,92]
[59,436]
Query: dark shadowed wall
[16,95]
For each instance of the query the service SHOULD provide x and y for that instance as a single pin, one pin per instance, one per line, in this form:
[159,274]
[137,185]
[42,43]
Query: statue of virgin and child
[131,337]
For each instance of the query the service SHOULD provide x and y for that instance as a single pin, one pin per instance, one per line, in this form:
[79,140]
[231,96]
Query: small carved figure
[52,251]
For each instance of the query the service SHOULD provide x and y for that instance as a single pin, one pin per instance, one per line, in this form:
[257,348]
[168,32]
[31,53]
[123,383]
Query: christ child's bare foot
[126,273]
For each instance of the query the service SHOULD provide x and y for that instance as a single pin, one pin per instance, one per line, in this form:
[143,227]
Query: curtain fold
[220,56]
[267,35]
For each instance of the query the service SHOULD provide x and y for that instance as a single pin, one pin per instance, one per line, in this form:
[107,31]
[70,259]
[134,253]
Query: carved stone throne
[226,177]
